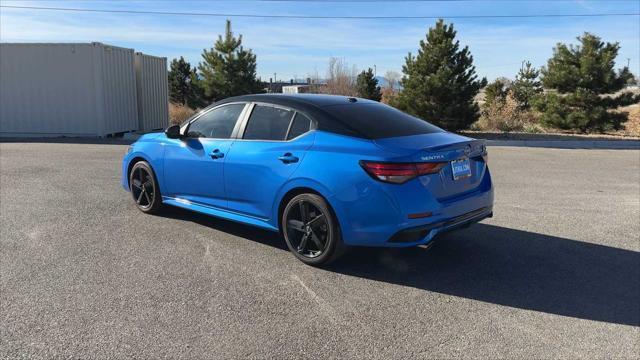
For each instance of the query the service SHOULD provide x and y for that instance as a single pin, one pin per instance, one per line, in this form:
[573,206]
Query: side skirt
[224,214]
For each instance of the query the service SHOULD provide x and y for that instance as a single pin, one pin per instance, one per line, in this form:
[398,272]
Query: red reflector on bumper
[419,215]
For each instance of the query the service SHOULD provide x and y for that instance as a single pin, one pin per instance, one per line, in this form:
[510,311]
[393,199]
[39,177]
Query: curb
[570,144]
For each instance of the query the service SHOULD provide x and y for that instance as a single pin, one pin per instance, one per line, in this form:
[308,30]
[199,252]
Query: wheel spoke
[146,195]
[303,243]
[304,211]
[318,220]
[140,197]
[148,187]
[141,175]
[136,184]
[296,225]
[317,241]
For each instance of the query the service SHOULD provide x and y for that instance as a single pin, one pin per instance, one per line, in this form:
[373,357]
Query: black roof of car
[346,115]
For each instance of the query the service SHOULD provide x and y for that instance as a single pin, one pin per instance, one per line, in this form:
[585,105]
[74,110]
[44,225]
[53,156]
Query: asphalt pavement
[84,274]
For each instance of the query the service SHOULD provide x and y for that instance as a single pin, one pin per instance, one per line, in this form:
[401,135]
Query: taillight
[398,173]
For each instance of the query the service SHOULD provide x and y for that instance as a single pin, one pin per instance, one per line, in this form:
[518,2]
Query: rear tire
[311,230]
[144,188]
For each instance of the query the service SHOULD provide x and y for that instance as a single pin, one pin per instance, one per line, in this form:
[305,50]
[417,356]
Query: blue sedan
[327,172]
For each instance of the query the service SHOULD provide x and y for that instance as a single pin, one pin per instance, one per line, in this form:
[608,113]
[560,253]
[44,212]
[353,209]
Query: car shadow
[494,264]
[248,232]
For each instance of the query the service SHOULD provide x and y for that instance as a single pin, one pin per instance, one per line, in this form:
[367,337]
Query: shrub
[506,115]
[179,113]
[389,96]
[496,91]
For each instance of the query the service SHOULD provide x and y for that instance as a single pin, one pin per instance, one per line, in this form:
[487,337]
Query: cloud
[298,47]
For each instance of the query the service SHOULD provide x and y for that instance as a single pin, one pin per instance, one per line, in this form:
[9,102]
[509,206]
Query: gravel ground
[83,274]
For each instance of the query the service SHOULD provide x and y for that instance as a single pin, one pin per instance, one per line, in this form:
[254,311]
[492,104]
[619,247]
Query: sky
[301,47]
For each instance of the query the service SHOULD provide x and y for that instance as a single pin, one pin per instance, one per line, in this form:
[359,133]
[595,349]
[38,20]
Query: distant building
[296,89]
[297,86]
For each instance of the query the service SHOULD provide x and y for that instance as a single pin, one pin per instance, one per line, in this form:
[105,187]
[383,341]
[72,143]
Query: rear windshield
[376,121]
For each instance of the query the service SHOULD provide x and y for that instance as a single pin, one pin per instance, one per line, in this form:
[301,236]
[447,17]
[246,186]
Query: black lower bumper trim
[418,233]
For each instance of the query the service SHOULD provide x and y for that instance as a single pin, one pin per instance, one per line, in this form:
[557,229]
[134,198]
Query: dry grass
[632,125]
[179,113]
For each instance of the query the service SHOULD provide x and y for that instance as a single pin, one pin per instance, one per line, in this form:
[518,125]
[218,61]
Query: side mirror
[173,132]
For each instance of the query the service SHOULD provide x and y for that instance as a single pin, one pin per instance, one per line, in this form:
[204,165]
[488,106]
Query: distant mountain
[382,82]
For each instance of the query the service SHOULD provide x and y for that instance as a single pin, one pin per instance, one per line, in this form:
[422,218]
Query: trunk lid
[441,147]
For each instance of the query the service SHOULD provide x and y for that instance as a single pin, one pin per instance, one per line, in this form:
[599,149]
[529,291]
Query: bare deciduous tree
[315,82]
[341,79]
[392,78]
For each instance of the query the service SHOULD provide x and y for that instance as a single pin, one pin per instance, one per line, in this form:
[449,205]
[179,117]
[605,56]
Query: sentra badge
[433,157]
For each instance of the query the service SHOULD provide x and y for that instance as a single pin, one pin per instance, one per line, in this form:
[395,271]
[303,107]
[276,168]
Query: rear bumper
[382,218]
[423,234]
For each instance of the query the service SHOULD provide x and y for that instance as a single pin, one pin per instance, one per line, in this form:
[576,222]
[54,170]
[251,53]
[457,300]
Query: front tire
[144,188]
[311,231]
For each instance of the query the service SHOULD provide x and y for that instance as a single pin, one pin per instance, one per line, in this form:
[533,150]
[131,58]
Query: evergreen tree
[197,98]
[440,82]
[526,86]
[180,81]
[367,86]
[580,74]
[496,91]
[228,69]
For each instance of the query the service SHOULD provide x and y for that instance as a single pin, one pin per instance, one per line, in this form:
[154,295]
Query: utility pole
[375,70]
[628,61]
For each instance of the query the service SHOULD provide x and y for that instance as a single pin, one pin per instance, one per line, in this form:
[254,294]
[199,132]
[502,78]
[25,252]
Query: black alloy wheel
[144,187]
[310,230]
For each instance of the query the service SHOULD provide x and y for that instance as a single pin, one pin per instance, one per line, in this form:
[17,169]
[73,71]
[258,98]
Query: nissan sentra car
[326,172]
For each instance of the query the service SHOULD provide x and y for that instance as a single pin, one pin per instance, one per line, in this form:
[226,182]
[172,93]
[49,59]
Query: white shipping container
[67,89]
[153,92]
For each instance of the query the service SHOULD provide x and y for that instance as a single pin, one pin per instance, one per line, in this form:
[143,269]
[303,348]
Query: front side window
[217,123]
[268,123]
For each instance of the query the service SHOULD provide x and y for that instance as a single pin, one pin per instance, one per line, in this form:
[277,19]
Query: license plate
[461,168]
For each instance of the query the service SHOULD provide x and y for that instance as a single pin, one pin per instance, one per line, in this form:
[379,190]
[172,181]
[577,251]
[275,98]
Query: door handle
[288,158]
[216,154]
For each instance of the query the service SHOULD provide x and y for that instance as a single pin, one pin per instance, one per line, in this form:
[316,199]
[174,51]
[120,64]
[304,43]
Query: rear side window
[301,124]
[268,123]
[217,123]
[376,121]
